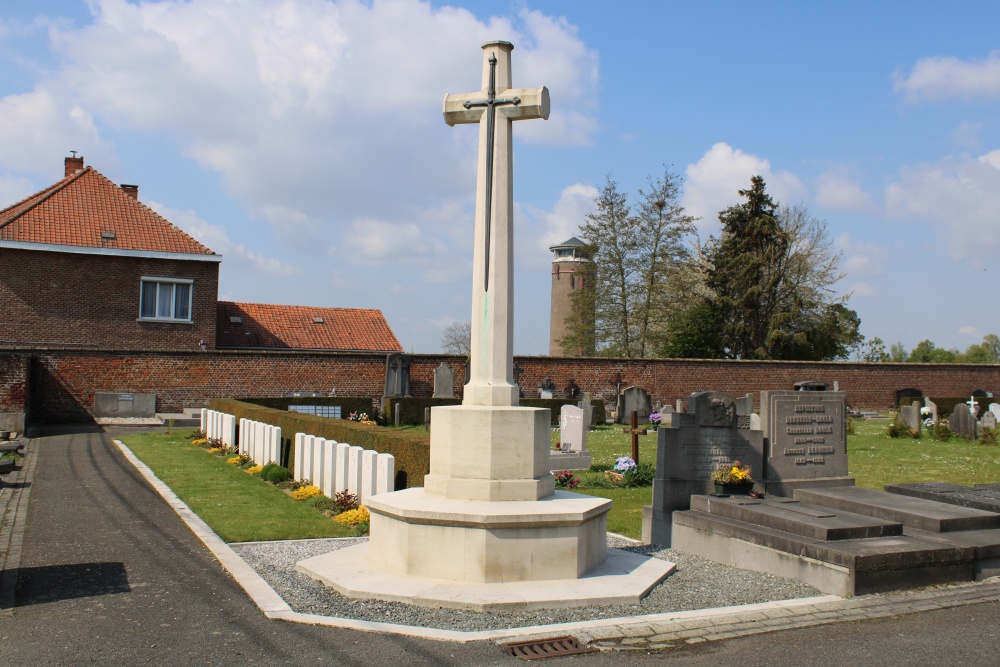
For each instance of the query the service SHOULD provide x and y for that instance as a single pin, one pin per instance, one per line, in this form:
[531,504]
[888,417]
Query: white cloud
[941,78]
[321,107]
[375,241]
[713,183]
[835,189]
[958,197]
[14,189]
[216,238]
[545,228]
[862,290]
[971,332]
[862,258]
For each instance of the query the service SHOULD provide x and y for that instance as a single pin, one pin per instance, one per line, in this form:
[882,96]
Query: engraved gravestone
[588,411]
[988,420]
[910,415]
[573,454]
[634,399]
[444,381]
[962,422]
[397,374]
[805,440]
[995,409]
[708,435]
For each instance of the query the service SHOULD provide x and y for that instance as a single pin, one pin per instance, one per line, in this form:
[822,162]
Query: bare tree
[457,338]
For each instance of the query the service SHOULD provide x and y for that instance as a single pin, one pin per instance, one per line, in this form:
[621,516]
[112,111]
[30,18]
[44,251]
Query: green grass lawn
[237,506]
[874,459]
[242,508]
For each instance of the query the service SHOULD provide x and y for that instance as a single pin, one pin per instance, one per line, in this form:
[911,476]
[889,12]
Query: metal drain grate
[546,648]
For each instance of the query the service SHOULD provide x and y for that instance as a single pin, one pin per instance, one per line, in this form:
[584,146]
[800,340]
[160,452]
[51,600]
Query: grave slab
[912,512]
[953,494]
[792,516]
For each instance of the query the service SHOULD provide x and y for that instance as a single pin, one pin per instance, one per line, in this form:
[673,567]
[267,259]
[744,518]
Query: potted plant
[732,479]
[655,418]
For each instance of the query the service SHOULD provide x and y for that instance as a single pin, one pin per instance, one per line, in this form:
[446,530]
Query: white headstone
[343,464]
[385,473]
[573,432]
[368,470]
[989,420]
[319,448]
[354,470]
[995,409]
[204,420]
[307,457]
[300,450]
[329,475]
[274,455]
[754,421]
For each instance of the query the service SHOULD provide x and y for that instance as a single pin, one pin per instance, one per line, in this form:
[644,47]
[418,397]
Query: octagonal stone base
[624,578]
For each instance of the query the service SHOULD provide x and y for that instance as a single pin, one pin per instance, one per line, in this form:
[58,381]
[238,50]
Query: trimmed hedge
[348,404]
[411,450]
[412,409]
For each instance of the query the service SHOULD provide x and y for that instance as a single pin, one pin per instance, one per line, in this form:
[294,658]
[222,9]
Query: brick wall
[61,299]
[13,391]
[63,382]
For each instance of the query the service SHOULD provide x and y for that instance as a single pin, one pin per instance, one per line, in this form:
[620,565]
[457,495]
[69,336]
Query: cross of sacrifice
[494,107]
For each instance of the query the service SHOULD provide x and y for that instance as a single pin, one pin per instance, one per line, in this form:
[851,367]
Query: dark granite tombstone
[397,375]
[805,440]
[962,422]
[634,399]
[708,435]
[444,381]
[908,395]
[910,415]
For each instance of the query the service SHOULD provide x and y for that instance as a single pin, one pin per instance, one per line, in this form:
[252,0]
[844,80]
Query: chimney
[131,190]
[74,164]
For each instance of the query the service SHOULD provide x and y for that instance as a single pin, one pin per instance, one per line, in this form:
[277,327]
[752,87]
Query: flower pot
[733,488]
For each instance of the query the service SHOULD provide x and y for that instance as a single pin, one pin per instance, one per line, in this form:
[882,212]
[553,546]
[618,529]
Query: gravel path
[696,584]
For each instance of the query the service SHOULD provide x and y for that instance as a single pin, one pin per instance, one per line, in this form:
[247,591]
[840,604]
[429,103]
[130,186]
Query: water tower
[569,275]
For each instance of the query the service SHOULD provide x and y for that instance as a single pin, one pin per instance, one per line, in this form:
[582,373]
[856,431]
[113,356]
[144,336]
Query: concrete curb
[653,631]
[12,525]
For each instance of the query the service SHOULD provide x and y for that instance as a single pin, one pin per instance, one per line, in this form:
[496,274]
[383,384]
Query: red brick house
[84,264]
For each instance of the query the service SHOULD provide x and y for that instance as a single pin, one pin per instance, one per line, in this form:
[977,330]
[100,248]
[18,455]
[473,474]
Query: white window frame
[158,280]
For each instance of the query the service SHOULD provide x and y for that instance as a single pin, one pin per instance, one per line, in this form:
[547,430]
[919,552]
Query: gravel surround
[697,583]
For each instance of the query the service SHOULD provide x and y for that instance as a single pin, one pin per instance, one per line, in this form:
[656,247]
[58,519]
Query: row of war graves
[332,466]
[964,420]
[811,524]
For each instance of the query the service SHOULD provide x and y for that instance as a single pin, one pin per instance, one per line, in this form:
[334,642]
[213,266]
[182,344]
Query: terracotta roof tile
[293,327]
[77,210]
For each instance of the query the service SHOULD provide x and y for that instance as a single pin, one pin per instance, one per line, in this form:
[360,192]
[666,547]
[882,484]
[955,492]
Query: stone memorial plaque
[444,381]
[805,439]
[744,406]
[688,452]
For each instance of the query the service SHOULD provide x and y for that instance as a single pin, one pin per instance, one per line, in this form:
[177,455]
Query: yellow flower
[199,441]
[306,492]
[233,460]
[254,469]
[353,517]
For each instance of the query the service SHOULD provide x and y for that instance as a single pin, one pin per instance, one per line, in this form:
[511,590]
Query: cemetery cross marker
[635,432]
[492,358]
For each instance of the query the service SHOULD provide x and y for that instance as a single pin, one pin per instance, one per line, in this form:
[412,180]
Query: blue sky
[303,139]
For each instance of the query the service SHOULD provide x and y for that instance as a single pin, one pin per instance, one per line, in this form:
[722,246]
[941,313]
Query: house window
[165,299]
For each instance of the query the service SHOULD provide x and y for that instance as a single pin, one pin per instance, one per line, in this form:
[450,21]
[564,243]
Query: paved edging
[12,525]
[653,631]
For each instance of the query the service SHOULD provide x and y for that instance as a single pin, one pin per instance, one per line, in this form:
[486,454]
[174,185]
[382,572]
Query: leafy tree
[635,256]
[987,352]
[926,352]
[457,338]
[871,350]
[898,353]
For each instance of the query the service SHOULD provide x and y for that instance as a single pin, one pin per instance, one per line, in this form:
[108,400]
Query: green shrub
[987,435]
[897,428]
[940,431]
[641,475]
[321,503]
[345,501]
[276,475]
[411,449]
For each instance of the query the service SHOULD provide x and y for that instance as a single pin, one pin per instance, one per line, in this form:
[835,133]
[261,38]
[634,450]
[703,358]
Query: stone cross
[494,107]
